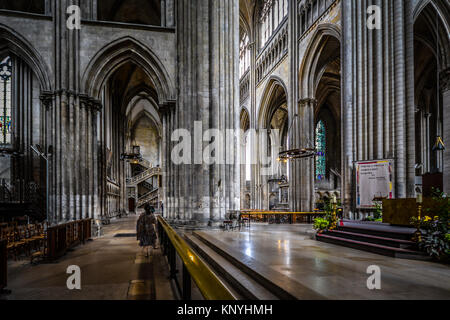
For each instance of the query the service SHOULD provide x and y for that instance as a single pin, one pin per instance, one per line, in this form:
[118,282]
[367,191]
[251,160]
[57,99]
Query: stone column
[445,91]
[347,105]
[208,78]
[47,101]
[400,98]
[83,172]
[95,171]
[306,113]
[410,101]
[293,107]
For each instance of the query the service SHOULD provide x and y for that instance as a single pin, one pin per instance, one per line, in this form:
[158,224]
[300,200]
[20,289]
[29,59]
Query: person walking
[145,229]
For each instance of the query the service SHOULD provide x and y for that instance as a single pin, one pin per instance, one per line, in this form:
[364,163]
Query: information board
[373,181]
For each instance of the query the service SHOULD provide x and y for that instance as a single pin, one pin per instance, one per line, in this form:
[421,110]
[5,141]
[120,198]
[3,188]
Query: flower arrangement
[329,221]
[435,225]
[321,224]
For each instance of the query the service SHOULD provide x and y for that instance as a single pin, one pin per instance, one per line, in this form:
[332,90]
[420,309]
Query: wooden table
[293,216]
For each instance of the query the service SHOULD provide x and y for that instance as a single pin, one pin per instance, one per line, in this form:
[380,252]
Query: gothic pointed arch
[442,7]
[312,66]
[14,43]
[124,50]
[274,88]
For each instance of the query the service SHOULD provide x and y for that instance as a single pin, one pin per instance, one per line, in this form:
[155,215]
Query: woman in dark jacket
[146,229]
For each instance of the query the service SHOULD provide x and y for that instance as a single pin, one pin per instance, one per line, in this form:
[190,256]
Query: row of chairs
[23,239]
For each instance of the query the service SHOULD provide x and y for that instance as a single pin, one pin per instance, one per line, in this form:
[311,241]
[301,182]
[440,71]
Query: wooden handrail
[209,285]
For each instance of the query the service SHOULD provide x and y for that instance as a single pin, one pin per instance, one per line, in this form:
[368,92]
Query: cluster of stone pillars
[71,139]
[378,93]
[70,131]
[208,71]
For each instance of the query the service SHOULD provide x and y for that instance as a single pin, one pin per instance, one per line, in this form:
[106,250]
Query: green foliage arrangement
[321,224]
[436,240]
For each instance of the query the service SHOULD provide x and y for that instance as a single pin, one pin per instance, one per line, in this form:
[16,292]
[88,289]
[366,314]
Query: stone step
[384,231]
[246,288]
[281,286]
[391,242]
[374,248]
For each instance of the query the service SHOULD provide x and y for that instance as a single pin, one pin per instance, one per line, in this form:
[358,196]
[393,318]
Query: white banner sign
[373,181]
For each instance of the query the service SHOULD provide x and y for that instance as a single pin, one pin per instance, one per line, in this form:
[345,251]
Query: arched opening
[132,83]
[130,121]
[131,11]
[244,53]
[431,73]
[273,138]
[22,125]
[321,82]
[245,157]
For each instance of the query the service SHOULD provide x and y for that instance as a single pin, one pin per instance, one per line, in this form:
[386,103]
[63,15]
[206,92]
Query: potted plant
[435,239]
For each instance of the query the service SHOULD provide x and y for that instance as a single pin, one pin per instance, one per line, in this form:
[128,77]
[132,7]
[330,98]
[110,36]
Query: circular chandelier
[298,153]
[294,154]
[135,156]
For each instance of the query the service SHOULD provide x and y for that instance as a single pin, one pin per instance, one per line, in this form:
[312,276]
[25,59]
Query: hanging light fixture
[439,144]
[294,154]
[134,156]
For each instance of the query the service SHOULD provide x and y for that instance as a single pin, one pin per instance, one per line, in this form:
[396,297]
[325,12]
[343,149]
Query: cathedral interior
[284,146]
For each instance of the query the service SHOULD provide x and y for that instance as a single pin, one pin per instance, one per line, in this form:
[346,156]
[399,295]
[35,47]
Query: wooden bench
[3,265]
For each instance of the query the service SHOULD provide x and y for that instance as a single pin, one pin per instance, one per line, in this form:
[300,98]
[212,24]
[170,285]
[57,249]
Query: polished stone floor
[331,271]
[112,268]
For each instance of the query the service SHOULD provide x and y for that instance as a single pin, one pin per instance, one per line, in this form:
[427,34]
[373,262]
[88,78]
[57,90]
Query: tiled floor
[112,268]
[335,272]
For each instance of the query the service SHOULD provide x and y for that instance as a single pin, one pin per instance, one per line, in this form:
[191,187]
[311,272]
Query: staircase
[147,174]
[376,238]
[148,197]
[142,172]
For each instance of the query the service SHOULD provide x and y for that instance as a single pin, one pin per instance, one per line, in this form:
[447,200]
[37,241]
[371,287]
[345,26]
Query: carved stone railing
[272,53]
[147,174]
[145,163]
[310,11]
[244,86]
[152,195]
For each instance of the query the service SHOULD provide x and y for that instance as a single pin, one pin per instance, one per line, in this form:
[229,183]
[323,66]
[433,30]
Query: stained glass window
[320,149]
[244,55]
[5,101]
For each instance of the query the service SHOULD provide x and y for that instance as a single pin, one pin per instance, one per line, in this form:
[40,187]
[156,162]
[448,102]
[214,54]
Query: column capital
[167,107]
[96,105]
[307,101]
[444,77]
[84,101]
[46,98]
[90,103]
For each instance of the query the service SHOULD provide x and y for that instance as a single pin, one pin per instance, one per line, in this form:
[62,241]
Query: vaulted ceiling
[128,81]
[130,11]
[33,6]
[246,10]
